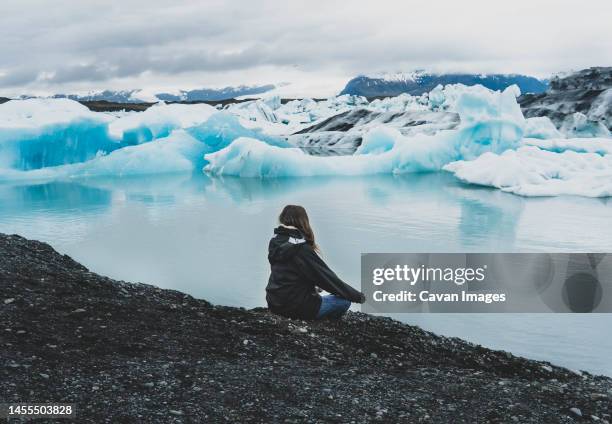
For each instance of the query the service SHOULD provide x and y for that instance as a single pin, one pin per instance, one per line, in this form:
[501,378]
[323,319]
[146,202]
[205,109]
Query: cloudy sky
[77,46]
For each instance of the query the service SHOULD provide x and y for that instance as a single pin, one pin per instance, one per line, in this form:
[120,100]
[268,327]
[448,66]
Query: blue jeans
[332,307]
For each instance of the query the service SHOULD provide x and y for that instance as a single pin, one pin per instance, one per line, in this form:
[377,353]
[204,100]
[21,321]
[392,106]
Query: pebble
[9,300]
[576,411]
[171,351]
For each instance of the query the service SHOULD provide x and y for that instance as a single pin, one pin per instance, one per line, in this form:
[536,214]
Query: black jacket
[295,271]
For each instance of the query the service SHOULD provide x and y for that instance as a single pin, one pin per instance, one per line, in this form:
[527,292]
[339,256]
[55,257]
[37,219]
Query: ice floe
[489,122]
[479,135]
[530,171]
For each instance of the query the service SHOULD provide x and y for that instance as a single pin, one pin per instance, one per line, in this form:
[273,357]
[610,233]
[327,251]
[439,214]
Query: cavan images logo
[487,282]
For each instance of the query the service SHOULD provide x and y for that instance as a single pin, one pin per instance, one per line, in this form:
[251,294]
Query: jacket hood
[285,243]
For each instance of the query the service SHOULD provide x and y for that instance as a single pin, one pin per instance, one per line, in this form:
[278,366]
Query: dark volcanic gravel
[135,353]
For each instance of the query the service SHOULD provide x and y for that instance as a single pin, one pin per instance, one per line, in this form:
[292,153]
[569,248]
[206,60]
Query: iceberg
[158,121]
[579,125]
[601,109]
[602,146]
[175,153]
[255,110]
[479,135]
[489,122]
[273,102]
[531,171]
[37,133]
[74,142]
[382,152]
[379,140]
[403,102]
[250,158]
[346,130]
[541,127]
[39,114]
[283,119]
[494,145]
[43,133]
[222,128]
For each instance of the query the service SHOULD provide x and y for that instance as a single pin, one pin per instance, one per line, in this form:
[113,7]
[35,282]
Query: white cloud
[66,46]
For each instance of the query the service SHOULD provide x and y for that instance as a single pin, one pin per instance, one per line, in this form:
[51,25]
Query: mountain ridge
[420,82]
[195,95]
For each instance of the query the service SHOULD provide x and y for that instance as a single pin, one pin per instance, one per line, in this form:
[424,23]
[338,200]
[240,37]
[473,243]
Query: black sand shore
[127,352]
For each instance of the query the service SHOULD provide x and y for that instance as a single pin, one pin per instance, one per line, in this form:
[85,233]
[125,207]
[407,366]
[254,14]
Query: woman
[297,271]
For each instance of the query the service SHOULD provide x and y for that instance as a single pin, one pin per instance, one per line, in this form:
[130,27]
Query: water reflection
[208,237]
[489,216]
[55,196]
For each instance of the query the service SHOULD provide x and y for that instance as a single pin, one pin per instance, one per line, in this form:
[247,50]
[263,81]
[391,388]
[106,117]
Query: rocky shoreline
[127,352]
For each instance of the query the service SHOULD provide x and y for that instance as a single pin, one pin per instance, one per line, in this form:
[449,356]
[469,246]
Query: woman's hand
[362,299]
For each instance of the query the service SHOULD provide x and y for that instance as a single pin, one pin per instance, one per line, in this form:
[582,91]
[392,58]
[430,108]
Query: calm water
[208,237]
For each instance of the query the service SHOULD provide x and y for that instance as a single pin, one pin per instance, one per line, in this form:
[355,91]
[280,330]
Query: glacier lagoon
[124,193]
[208,236]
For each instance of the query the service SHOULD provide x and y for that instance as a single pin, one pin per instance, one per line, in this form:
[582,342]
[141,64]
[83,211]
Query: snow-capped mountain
[202,94]
[419,82]
[119,96]
[215,94]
